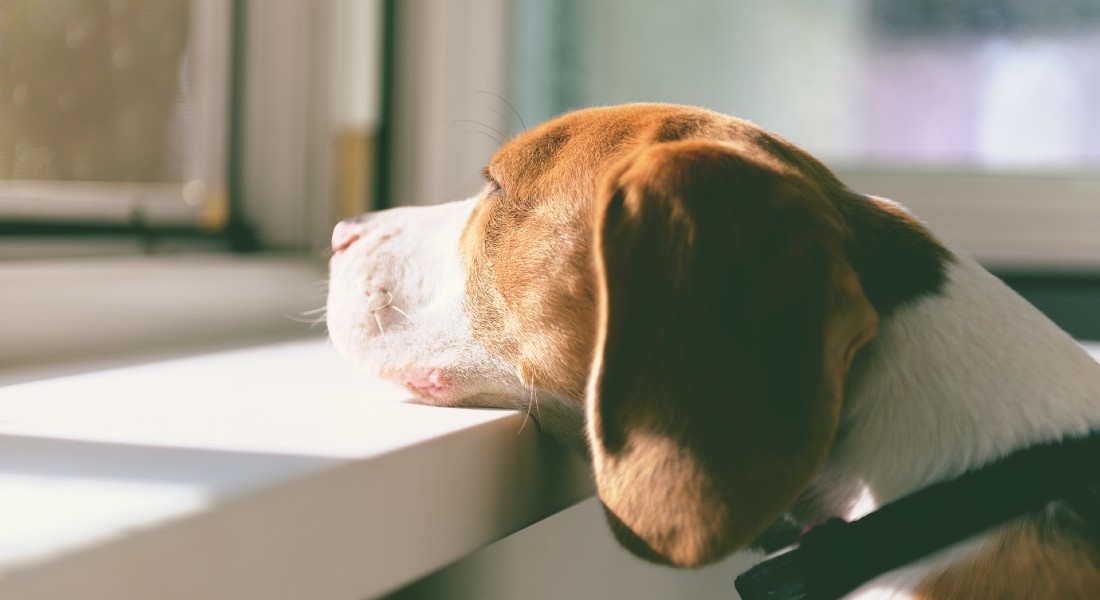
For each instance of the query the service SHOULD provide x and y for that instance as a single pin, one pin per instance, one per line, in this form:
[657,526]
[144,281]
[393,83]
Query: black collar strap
[837,557]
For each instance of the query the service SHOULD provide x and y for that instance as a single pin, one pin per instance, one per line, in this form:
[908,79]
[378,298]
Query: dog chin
[438,386]
[432,385]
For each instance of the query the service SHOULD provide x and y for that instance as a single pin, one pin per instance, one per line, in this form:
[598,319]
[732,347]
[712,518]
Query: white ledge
[273,472]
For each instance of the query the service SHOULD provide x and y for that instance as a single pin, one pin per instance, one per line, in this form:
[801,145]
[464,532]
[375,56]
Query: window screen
[114,112]
[93,90]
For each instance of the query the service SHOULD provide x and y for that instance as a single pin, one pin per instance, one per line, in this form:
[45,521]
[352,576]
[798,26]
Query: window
[183,117]
[981,115]
[114,114]
[257,110]
[985,84]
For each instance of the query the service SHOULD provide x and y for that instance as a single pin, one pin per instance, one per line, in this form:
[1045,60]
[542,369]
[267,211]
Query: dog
[731,335]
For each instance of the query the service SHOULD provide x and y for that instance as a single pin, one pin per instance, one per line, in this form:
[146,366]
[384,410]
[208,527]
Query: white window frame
[163,204]
[286,195]
[452,58]
[1009,222]
[291,110]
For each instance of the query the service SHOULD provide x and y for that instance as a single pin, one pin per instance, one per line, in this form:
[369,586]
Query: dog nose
[345,233]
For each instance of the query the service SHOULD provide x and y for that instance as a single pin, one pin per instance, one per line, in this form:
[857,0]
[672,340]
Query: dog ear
[728,318]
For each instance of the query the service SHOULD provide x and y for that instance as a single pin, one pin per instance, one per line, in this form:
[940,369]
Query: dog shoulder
[1051,554]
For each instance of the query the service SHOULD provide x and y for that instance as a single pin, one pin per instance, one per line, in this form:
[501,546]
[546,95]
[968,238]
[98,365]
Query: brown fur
[1033,558]
[734,264]
[719,279]
[528,245]
[710,284]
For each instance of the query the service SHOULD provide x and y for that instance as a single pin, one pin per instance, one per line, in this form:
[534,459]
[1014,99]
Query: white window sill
[274,471]
[270,472]
[66,315]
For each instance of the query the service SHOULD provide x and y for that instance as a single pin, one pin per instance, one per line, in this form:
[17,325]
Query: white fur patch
[396,307]
[952,382]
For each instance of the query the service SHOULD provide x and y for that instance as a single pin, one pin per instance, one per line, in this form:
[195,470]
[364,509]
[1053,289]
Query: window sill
[274,472]
[67,315]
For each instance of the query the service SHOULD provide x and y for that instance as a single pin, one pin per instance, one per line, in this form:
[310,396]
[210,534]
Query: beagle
[732,335]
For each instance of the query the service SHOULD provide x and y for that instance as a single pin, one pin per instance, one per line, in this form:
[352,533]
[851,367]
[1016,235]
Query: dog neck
[953,381]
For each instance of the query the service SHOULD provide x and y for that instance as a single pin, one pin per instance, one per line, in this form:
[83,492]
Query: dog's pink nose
[344,234]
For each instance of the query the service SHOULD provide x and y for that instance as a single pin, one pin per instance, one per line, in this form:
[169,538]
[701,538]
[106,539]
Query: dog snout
[346,232]
[378,297]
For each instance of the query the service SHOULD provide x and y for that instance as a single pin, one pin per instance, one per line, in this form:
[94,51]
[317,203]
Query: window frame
[1010,222]
[70,205]
[285,190]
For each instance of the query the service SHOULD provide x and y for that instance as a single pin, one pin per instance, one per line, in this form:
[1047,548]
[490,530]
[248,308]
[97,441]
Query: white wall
[571,555]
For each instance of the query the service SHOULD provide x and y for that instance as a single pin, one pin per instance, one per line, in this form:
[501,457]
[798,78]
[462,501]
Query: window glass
[113,115]
[94,90]
[972,84]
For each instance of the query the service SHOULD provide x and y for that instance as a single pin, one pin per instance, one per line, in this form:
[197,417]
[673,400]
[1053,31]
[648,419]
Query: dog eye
[494,187]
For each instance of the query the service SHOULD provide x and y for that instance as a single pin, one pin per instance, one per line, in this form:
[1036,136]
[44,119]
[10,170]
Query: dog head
[679,277]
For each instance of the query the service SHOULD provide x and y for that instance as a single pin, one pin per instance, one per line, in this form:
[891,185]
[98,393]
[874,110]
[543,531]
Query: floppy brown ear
[728,319]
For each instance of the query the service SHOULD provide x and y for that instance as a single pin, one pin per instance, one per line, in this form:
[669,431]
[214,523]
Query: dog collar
[835,558]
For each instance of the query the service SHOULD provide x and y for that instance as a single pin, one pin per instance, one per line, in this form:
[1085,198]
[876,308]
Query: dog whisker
[504,119]
[527,413]
[389,300]
[312,317]
[402,313]
[509,104]
[532,401]
[502,137]
[495,140]
[389,304]
[381,330]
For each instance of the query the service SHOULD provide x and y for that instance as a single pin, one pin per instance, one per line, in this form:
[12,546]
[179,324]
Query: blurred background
[170,170]
[178,118]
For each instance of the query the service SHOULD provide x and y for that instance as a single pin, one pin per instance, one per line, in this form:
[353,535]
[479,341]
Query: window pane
[991,84]
[94,90]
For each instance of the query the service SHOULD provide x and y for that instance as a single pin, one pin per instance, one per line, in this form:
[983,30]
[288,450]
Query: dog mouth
[432,385]
[456,388]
